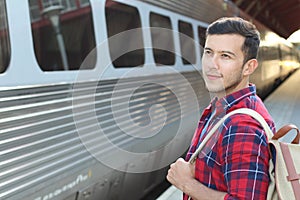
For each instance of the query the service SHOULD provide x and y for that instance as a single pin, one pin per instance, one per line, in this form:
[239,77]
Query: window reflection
[4,38]
[63,46]
[162,39]
[187,44]
[119,19]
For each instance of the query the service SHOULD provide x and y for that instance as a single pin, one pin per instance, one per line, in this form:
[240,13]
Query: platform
[172,193]
[283,105]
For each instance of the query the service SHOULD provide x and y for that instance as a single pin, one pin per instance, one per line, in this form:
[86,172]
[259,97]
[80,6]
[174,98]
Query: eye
[224,55]
[207,52]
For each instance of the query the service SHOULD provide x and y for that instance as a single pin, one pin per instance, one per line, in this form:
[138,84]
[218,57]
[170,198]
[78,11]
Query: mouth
[213,76]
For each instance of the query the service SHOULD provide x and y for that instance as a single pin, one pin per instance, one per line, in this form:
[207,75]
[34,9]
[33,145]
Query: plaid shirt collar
[224,104]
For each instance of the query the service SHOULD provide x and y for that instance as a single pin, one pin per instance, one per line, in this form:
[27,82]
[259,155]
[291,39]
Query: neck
[243,84]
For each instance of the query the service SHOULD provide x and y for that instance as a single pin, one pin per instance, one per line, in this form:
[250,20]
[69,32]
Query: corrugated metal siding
[38,135]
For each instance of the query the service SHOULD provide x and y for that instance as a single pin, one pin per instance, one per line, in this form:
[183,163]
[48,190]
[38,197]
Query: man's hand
[181,173]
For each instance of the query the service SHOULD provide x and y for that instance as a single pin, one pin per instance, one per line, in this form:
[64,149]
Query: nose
[211,62]
[215,61]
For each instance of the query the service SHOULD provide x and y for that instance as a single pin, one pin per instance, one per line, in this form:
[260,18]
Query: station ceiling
[281,16]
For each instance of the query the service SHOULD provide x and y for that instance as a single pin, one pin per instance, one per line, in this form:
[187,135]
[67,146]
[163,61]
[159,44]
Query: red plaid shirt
[236,158]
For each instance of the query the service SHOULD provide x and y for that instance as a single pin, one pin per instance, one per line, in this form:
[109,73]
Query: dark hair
[236,25]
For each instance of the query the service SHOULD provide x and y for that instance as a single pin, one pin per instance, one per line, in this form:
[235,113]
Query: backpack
[284,164]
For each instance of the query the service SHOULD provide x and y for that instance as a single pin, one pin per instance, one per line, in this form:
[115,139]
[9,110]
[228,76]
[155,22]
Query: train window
[202,37]
[187,44]
[4,39]
[63,34]
[126,48]
[162,39]
[68,4]
[82,2]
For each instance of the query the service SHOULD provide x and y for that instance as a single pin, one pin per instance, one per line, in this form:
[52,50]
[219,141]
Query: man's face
[222,63]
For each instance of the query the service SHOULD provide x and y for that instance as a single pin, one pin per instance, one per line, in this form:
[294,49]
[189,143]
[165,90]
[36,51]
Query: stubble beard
[220,89]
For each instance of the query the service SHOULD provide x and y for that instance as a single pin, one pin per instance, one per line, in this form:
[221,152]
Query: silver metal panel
[39,139]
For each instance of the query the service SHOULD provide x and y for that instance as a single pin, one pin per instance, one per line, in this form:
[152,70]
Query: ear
[249,67]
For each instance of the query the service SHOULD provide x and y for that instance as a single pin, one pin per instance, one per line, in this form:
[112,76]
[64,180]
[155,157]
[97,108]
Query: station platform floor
[284,103]
[284,106]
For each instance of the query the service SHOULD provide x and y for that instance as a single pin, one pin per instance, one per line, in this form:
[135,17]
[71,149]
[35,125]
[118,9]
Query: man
[236,166]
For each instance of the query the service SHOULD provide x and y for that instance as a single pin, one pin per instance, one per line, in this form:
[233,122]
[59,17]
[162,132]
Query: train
[99,97]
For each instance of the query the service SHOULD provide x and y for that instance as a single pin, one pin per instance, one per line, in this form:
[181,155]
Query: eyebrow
[228,52]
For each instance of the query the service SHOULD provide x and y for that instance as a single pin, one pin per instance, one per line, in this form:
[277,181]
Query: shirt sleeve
[245,158]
